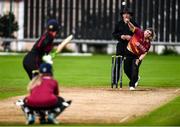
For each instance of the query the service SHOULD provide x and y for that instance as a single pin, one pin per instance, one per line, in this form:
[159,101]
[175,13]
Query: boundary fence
[95,19]
[86,41]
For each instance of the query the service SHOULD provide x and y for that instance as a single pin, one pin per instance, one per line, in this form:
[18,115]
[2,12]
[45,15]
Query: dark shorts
[31,62]
[129,54]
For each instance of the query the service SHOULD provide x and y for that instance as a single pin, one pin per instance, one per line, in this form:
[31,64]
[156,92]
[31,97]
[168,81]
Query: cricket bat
[61,46]
[48,58]
[64,43]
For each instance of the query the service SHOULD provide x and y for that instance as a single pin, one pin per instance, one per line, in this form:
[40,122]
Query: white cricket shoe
[131,88]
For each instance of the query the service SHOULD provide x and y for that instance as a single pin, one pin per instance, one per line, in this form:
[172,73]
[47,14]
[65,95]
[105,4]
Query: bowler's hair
[153,35]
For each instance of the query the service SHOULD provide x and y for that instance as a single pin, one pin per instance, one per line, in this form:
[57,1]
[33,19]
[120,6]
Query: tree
[8,26]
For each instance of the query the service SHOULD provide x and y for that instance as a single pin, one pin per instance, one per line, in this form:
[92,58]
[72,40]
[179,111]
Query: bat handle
[53,54]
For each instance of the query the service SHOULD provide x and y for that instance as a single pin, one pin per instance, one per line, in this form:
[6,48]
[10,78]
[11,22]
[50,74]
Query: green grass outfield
[95,71]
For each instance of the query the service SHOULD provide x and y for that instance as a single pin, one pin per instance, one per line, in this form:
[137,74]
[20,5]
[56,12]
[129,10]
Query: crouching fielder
[43,97]
[138,47]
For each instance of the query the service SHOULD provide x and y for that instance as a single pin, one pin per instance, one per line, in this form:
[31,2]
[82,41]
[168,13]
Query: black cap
[126,10]
[53,25]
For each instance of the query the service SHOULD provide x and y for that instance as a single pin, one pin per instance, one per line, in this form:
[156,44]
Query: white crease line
[176,91]
[125,118]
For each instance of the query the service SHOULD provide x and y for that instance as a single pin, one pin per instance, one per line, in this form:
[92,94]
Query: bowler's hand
[128,37]
[125,37]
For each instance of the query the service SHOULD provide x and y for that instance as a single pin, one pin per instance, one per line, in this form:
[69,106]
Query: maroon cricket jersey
[44,45]
[45,94]
[137,45]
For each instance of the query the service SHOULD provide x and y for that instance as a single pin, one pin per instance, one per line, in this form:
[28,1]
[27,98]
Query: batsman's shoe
[52,119]
[136,84]
[30,119]
[131,88]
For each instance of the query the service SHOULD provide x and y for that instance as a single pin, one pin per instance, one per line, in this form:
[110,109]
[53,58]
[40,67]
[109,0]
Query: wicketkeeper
[43,98]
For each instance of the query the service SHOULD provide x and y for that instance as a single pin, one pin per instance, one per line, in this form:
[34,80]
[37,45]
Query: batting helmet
[53,25]
[45,68]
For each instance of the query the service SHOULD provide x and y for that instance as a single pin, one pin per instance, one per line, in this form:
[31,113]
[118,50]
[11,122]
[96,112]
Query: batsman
[42,51]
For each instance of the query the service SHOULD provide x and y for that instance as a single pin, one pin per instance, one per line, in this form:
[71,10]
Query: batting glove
[47,59]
